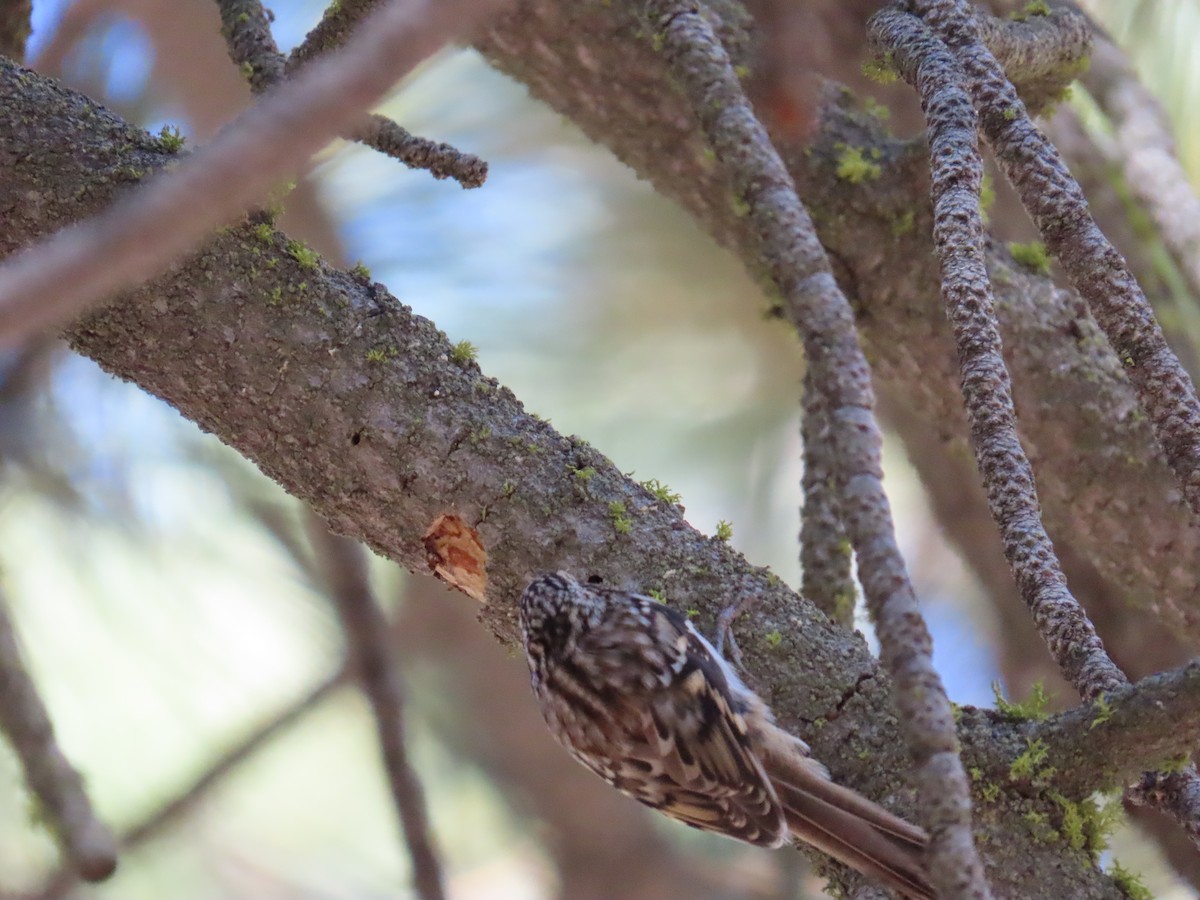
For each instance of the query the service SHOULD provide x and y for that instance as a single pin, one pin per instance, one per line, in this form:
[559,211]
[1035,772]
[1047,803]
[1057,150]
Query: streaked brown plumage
[638,696]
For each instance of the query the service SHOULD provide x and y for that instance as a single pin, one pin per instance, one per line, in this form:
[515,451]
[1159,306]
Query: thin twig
[1055,202]
[332,31]
[139,236]
[438,159]
[824,549]
[344,565]
[86,842]
[800,269]
[247,29]
[192,794]
[238,753]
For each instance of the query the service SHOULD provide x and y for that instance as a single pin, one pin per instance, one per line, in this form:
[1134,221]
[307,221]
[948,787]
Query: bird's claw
[724,632]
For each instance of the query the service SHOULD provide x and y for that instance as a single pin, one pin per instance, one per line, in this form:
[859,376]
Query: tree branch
[1058,207]
[1007,473]
[246,27]
[1041,54]
[190,795]
[344,567]
[247,30]
[957,174]
[85,841]
[141,234]
[825,553]
[1109,742]
[337,22]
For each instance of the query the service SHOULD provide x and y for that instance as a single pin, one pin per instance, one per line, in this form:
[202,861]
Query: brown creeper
[638,696]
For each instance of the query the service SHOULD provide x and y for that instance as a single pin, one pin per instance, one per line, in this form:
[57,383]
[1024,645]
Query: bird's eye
[595,579]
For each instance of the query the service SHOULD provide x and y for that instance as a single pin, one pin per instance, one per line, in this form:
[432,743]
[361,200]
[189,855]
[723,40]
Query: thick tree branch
[394,431]
[1042,54]
[1110,741]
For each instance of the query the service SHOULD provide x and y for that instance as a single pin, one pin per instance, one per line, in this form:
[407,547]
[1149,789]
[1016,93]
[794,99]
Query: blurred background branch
[63,802]
[194,793]
[343,565]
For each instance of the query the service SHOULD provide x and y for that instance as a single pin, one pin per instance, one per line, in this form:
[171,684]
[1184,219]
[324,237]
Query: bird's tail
[850,828]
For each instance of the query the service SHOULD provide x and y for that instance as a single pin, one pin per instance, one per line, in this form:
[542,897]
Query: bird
[637,695]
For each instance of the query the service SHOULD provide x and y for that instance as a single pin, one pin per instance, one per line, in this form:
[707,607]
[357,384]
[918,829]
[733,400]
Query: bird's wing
[685,750]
